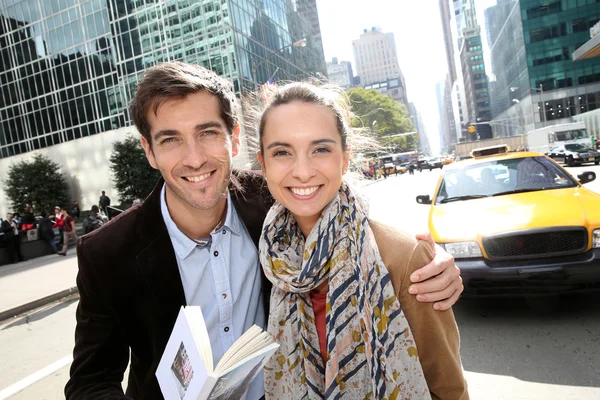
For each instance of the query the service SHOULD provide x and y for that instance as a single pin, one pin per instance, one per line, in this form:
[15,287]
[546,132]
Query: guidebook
[186,370]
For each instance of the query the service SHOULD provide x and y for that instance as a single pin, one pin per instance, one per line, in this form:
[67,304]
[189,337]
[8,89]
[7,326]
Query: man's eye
[210,133]
[167,140]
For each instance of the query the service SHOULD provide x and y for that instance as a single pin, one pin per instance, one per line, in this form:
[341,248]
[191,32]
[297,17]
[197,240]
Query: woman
[339,306]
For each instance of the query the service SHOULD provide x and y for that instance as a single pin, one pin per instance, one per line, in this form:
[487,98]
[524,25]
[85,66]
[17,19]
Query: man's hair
[103,192]
[95,209]
[175,80]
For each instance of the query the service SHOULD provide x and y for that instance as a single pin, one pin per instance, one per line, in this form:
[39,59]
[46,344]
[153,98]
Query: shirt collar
[182,244]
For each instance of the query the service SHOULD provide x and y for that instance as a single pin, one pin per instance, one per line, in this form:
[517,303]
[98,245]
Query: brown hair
[304,92]
[176,80]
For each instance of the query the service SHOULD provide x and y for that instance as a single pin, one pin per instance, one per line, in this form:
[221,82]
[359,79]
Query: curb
[13,312]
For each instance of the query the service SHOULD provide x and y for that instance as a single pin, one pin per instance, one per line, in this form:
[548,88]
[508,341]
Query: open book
[186,370]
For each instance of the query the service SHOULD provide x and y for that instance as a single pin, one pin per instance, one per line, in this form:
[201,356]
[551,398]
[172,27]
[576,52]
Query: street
[508,350]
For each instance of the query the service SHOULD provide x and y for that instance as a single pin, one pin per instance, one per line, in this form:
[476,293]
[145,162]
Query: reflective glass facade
[68,68]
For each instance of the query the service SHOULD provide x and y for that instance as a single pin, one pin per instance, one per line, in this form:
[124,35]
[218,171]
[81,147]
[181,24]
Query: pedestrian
[59,223]
[46,232]
[92,221]
[69,231]
[75,212]
[27,220]
[325,259]
[193,241]
[104,202]
[11,238]
[136,200]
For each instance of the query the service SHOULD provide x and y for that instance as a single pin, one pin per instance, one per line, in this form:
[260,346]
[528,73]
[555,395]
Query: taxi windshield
[502,177]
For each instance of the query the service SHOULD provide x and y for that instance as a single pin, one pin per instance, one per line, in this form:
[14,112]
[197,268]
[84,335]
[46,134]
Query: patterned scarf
[372,353]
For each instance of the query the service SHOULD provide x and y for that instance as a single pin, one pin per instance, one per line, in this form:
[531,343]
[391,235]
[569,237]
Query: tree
[132,174]
[392,118]
[39,183]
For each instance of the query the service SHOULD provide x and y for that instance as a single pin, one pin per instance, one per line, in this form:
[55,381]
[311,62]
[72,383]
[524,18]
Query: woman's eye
[322,150]
[279,153]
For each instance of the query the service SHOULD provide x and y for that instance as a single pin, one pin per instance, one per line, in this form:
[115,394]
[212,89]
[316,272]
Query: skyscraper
[377,64]
[538,83]
[340,73]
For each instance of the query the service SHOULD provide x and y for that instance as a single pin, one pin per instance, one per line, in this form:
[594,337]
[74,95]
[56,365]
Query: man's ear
[235,141]
[149,153]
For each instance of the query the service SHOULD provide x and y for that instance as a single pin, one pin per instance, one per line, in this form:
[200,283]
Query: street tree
[132,174]
[384,117]
[39,183]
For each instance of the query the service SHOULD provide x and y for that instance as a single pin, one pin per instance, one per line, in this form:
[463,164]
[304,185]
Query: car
[517,223]
[429,163]
[574,154]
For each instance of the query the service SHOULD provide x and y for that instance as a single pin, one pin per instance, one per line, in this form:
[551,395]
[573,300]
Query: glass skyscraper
[68,68]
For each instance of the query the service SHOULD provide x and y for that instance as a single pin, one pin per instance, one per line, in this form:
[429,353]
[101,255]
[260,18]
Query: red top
[319,301]
[58,221]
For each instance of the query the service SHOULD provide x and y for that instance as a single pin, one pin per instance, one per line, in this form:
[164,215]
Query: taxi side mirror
[586,177]
[425,199]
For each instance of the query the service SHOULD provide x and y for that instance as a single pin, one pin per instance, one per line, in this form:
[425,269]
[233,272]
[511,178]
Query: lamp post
[298,43]
[541,91]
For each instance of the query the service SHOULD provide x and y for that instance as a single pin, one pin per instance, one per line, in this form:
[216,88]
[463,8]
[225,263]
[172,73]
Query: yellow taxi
[517,223]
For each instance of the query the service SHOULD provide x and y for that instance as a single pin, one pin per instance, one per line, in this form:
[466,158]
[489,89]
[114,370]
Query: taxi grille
[540,243]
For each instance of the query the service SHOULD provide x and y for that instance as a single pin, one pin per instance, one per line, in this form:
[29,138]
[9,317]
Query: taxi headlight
[596,239]
[463,249]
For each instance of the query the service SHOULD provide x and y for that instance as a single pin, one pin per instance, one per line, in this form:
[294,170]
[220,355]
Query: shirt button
[226,329]
[216,254]
[224,231]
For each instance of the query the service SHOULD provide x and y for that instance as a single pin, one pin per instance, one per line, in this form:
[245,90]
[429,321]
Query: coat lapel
[157,261]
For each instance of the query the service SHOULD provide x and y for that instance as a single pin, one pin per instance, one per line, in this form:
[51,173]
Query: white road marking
[33,378]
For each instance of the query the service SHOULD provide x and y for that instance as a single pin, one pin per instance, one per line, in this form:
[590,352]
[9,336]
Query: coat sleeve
[101,353]
[435,332]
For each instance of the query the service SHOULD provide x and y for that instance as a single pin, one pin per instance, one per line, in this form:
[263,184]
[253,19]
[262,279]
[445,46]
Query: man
[104,202]
[92,221]
[193,241]
[69,231]
[11,238]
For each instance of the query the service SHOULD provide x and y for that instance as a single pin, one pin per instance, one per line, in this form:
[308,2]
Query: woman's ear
[261,161]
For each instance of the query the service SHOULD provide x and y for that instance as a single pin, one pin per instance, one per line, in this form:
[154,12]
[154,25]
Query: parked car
[429,163]
[574,154]
[517,224]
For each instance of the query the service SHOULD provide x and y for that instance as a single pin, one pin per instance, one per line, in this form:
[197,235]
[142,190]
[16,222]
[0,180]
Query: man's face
[192,147]
[9,216]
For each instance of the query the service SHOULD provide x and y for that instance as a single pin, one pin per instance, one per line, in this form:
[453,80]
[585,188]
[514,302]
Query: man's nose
[195,155]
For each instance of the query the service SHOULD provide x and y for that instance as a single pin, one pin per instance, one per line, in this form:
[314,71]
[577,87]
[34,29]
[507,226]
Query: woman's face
[303,159]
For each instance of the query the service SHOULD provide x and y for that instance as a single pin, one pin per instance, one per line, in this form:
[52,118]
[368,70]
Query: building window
[544,9]
[551,32]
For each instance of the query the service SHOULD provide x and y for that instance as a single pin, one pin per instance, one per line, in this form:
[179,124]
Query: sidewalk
[37,282]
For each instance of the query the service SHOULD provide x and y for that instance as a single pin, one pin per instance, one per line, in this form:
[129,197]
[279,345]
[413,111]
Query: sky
[416,25]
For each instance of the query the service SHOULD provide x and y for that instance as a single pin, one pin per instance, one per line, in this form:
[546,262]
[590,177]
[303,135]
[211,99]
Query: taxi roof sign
[490,151]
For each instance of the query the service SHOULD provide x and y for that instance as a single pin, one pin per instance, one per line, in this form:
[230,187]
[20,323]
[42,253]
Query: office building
[538,82]
[376,57]
[448,132]
[340,73]
[394,88]
[68,68]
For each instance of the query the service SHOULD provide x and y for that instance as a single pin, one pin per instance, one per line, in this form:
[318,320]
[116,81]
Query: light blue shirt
[224,280]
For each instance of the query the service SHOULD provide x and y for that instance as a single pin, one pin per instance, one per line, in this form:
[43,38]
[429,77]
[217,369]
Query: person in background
[75,212]
[69,231]
[46,232]
[92,221]
[104,202]
[28,220]
[136,200]
[11,238]
[59,223]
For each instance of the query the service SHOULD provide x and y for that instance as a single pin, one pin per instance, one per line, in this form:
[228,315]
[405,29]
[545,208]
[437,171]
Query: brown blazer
[435,332]
[131,292]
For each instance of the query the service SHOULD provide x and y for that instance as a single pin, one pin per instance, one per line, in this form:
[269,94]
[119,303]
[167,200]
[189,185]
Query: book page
[233,384]
[181,372]
[200,333]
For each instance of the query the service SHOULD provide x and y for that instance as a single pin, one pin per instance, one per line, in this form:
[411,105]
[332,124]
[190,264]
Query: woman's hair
[257,109]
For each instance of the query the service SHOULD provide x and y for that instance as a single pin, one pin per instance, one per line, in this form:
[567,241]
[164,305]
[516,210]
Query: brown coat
[434,331]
